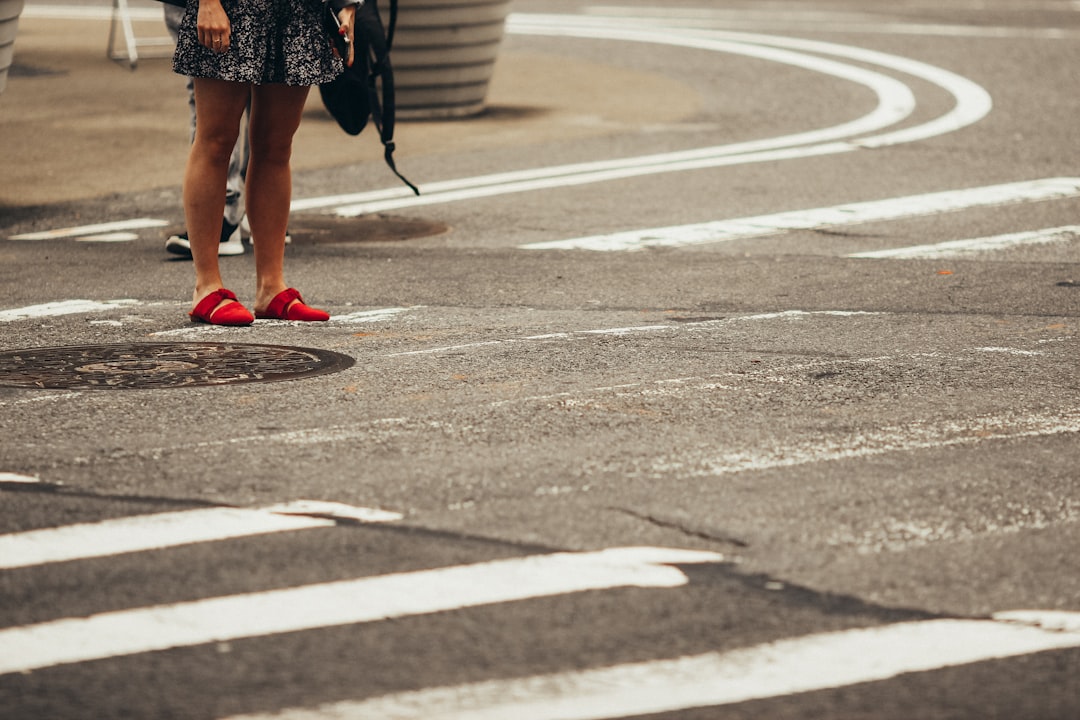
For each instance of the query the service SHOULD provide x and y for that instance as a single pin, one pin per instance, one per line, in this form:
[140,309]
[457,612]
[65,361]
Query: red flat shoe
[230,314]
[288,305]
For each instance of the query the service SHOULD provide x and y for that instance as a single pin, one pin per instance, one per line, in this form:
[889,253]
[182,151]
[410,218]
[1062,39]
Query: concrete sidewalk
[77,125]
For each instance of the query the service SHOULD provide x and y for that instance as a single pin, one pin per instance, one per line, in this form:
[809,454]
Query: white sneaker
[230,244]
[251,238]
[233,245]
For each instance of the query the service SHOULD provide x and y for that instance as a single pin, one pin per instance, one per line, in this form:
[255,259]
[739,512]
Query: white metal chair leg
[121,15]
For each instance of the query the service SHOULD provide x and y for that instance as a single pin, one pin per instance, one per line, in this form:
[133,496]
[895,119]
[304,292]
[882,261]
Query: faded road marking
[634,330]
[899,438]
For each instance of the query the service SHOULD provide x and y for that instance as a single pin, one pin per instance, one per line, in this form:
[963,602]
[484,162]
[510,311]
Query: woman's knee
[275,118]
[215,145]
[219,106]
[275,150]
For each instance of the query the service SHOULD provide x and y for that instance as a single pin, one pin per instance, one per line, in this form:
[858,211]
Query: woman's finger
[347,19]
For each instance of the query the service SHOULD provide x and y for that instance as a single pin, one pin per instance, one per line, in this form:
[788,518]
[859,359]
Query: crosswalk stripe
[785,667]
[163,530]
[835,216]
[345,602]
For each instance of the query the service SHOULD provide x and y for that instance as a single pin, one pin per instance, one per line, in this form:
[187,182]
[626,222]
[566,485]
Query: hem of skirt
[262,81]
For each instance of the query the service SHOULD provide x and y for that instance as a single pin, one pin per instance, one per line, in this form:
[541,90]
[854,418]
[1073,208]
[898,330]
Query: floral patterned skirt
[272,41]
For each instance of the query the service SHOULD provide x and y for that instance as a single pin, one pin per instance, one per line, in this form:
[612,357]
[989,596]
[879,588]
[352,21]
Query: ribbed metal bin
[9,25]
[444,55]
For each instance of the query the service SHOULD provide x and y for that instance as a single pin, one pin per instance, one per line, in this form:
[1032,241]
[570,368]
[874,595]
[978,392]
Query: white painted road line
[629,331]
[332,604]
[101,228]
[794,20]
[163,530]
[63,307]
[1010,351]
[826,217]
[975,246]
[910,437]
[570,335]
[9,477]
[360,317]
[109,237]
[785,667]
[972,102]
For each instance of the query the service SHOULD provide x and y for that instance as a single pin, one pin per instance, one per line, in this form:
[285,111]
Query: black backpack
[365,90]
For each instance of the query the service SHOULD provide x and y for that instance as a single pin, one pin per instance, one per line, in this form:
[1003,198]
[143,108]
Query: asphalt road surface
[727,367]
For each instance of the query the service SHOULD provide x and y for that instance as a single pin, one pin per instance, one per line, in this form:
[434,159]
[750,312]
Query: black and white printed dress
[271,41]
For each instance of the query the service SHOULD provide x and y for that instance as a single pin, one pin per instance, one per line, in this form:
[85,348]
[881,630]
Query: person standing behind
[267,53]
[231,237]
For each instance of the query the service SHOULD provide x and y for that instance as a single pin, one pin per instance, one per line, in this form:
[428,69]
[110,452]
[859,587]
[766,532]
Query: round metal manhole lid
[162,365]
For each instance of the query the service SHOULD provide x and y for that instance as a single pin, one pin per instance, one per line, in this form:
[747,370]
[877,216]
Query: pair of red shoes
[286,305]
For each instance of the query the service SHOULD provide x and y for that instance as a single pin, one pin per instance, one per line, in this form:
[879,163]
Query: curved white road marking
[895,102]
[972,104]
[784,667]
[345,602]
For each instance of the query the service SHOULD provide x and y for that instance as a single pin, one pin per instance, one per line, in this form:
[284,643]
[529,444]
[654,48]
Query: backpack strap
[393,24]
[383,113]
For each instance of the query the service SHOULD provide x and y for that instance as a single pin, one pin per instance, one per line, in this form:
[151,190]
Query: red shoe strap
[278,306]
[205,308]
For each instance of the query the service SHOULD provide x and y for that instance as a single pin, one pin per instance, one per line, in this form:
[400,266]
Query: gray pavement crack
[682,528]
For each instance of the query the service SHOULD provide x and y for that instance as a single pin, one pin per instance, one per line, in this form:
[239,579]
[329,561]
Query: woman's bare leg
[219,105]
[275,116]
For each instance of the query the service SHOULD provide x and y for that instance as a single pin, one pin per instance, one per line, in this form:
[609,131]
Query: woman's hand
[215,31]
[347,18]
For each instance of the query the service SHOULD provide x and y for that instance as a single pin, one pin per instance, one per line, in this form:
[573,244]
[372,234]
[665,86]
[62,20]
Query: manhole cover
[162,365]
